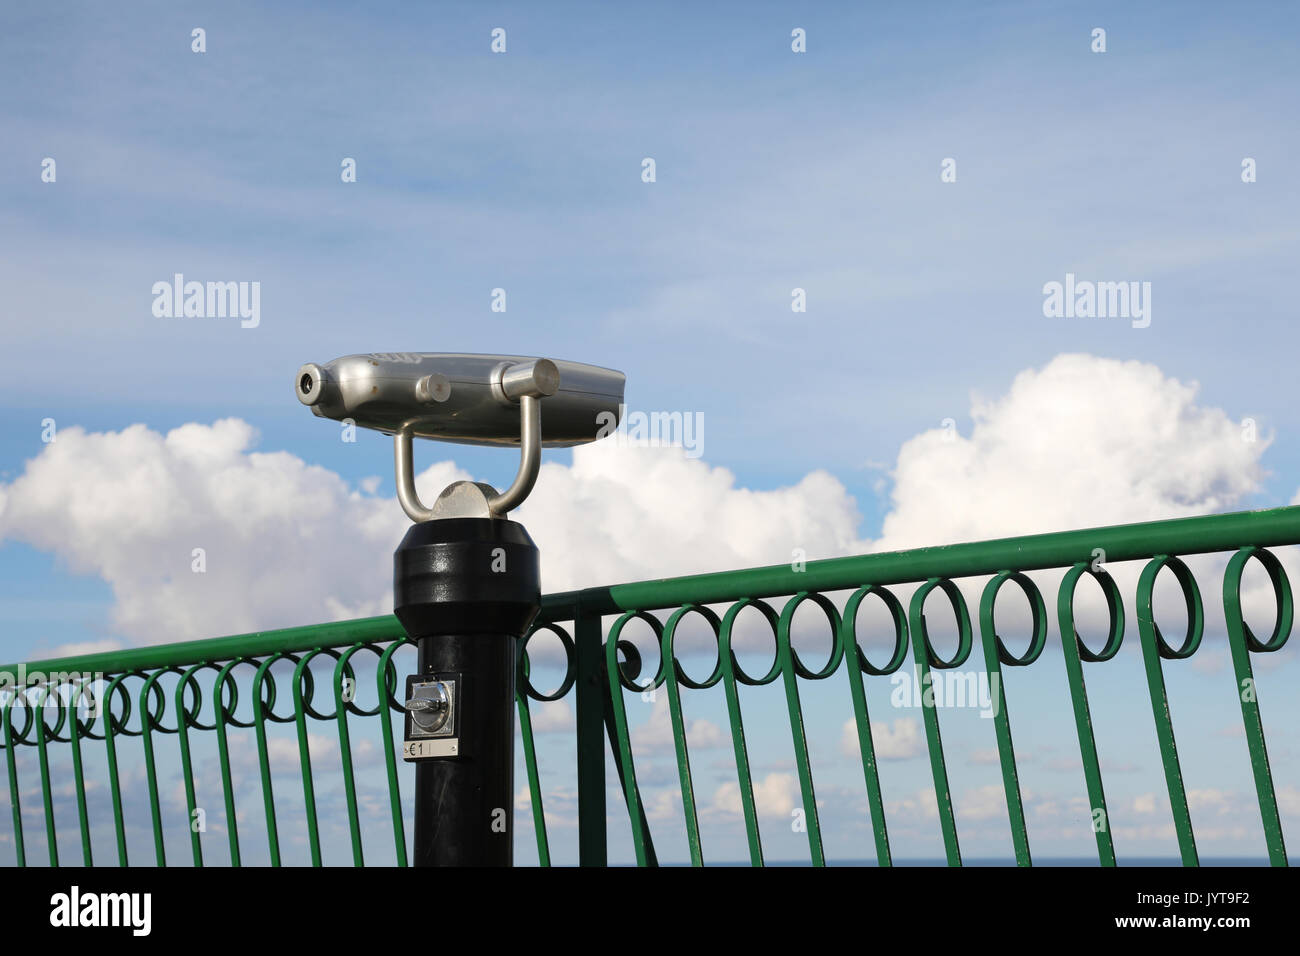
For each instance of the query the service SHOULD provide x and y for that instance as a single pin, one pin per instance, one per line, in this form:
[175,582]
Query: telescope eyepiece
[311,383]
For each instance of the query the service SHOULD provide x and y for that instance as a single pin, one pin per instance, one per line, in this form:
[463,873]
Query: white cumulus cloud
[775,795]
[284,542]
[898,740]
[1081,442]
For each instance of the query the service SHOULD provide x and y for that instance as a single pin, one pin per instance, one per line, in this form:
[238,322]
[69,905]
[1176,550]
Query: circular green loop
[20,737]
[850,625]
[964,636]
[153,718]
[832,617]
[1037,609]
[1191,596]
[1114,602]
[86,728]
[226,679]
[52,733]
[628,682]
[191,715]
[668,652]
[570,663]
[265,679]
[1281,594]
[119,725]
[304,682]
[725,648]
[631,665]
[390,674]
[343,669]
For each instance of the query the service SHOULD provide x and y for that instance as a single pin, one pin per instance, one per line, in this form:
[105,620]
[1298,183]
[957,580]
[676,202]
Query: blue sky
[522,171]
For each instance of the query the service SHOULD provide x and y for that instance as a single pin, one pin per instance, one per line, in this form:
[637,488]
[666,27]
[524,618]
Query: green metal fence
[158,693]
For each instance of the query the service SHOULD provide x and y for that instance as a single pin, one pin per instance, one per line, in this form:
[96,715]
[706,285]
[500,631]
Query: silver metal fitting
[430,706]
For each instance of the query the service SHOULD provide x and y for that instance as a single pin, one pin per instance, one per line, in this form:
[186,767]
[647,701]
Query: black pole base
[465,590]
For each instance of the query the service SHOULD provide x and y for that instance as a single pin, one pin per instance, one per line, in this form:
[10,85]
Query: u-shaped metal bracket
[498,504]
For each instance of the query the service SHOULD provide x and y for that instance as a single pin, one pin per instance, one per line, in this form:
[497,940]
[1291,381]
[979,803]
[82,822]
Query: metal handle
[526,383]
[530,458]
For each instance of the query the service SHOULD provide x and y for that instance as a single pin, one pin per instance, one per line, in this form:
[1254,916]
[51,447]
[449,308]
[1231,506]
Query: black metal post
[466,590]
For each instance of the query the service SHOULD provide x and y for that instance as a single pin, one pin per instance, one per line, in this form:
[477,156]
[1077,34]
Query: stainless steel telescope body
[469,399]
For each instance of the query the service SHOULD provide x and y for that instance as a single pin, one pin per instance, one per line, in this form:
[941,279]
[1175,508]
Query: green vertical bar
[110,750]
[730,670]
[8,714]
[745,780]
[46,792]
[263,757]
[1169,752]
[78,773]
[611,732]
[867,752]
[1242,642]
[187,766]
[922,654]
[683,764]
[1088,755]
[304,759]
[631,793]
[856,663]
[995,654]
[589,705]
[938,768]
[1007,755]
[672,675]
[1072,648]
[390,751]
[530,765]
[811,821]
[1151,654]
[345,755]
[223,756]
[151,770]
[790,680]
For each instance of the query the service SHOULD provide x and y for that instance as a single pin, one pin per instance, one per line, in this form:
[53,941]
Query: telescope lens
[311,383]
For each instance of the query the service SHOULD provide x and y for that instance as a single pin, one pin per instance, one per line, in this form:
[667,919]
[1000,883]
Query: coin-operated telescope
[466,582]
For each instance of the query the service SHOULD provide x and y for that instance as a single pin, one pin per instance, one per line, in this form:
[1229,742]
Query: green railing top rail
[1176,536]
